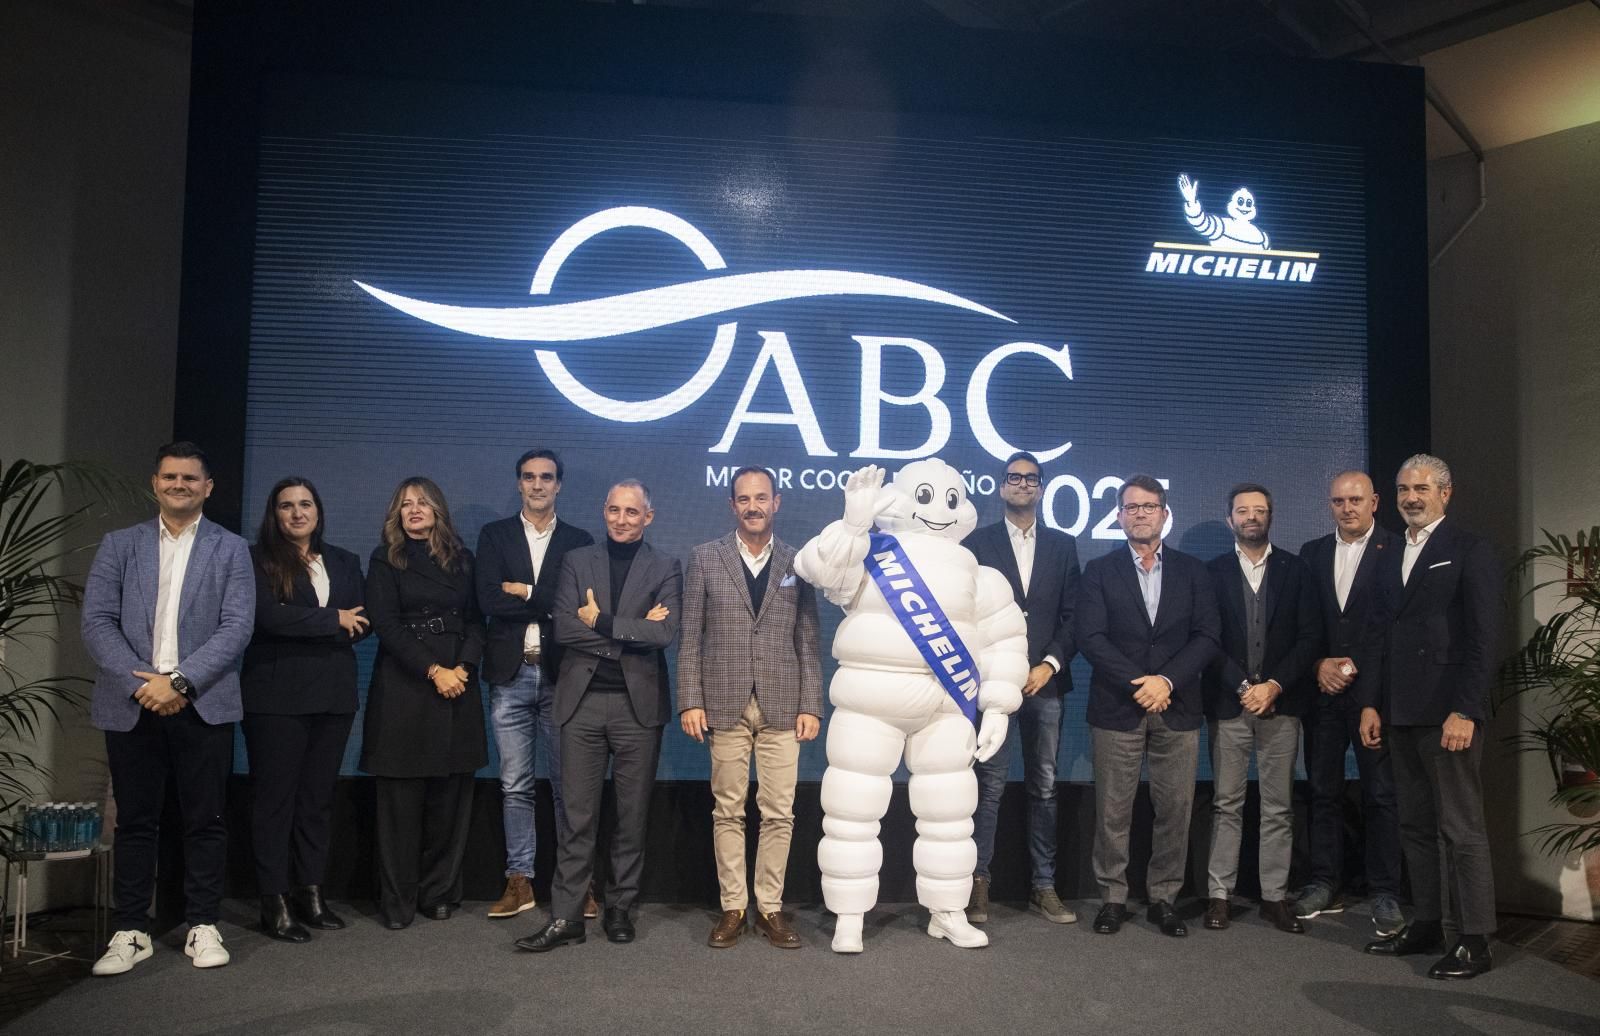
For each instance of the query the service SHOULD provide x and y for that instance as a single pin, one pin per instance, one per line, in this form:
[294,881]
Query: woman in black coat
[424,735]
[299,690]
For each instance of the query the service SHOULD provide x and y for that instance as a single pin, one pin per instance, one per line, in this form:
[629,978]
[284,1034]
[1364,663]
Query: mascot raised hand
[932,656]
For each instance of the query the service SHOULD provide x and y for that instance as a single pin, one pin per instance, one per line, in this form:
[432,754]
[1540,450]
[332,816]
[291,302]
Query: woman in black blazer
[424,733]
[299,688]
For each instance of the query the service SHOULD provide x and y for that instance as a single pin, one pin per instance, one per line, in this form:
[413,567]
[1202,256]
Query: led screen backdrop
[671,288]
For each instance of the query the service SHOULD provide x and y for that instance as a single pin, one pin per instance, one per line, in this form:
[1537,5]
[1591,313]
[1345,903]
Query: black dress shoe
[618,927]
[1109,920]
[276,922]
[552,935]
[1163,915]
[438,912]
[307,905]
[1461,962]
[394,925]
[1217,914]
[1416,937]
[1282,917]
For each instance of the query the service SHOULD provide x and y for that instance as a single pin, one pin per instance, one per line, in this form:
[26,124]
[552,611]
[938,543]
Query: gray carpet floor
[463,976]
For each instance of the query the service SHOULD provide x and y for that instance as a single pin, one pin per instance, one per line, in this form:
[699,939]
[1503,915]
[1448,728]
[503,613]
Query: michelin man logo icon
[1235,248]
[1235,230]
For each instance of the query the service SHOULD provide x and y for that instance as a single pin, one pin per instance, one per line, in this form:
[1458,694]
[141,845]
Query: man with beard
[1256,692]
[1041,564]
[1437,622]
[750,681]
[168,609]
[1147,622]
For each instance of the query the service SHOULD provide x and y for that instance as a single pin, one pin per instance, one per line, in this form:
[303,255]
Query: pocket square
[788,580]
[1440,564]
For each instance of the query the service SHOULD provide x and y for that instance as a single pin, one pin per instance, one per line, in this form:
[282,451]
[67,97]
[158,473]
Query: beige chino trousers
[777,756]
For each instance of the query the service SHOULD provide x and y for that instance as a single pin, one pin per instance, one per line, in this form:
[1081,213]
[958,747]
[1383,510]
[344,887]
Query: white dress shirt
[1149,582]
[1416,539]
[538,547]
[1254,571]
[757,561]
[1346,560]
[319,580]
[1024,543]
[175,551]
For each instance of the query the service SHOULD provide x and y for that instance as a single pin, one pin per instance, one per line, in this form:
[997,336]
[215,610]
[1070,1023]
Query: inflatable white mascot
[930,640]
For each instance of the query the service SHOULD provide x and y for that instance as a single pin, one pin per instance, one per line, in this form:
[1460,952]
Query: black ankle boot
[308,906]
[277,923]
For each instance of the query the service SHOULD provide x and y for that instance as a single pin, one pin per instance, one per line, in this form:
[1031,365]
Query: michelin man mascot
[930,641]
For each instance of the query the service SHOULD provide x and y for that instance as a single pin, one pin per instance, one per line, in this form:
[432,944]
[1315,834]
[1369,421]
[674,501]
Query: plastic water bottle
[75,825]
[95,824]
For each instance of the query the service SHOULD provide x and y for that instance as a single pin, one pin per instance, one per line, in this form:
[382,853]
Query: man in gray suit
[750,678]
[615,612]
[168,609]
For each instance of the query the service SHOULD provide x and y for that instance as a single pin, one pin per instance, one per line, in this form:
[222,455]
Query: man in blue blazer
[1147,622]
[1437,622]
[1041,564]
[167,613]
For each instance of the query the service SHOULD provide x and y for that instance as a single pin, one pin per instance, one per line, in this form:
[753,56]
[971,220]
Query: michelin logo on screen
[1239,249]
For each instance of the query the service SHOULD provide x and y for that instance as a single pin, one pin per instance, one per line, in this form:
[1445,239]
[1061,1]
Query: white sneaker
[847,933]
[126,949]
[204,945]
[953,925]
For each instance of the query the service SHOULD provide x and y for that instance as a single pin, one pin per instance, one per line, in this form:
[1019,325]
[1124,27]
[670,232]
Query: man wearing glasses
[1147,622]
[1041,564]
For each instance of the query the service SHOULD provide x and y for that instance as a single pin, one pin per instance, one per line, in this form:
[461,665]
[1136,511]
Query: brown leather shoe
[776,928]
[729,927]
[591,903]
[517,897]
[1282,918]
[1216,914]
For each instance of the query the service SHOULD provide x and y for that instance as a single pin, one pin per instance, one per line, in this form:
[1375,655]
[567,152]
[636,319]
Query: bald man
[1344,564]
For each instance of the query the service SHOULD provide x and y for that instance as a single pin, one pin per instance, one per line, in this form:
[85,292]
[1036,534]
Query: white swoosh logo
[659,307]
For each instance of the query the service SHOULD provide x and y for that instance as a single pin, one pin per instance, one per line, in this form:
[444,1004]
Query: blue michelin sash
[912,603]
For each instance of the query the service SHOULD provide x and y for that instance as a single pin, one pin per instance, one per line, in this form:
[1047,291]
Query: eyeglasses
[1017,478]
[1140,508]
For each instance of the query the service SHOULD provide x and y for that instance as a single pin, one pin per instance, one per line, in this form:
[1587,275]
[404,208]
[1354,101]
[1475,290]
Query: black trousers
[422,838]
[196,757]
[1331,728]
[294,761]
[603,728]
[1442,829]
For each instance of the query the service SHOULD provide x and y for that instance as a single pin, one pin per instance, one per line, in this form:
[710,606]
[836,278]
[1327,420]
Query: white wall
[92,132]
[1516,411]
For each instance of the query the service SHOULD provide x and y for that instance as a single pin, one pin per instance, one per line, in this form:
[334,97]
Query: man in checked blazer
[749,678]
[616,611]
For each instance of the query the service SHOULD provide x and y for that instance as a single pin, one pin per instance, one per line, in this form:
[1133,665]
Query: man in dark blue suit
[1147,622]
[1437,619]
[1041,564]
[1344,566]
[168,609]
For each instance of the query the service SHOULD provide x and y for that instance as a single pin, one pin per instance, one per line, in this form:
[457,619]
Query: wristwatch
[181,684]
[1244,685]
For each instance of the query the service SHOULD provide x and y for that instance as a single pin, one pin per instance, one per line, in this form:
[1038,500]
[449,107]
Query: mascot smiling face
[930,499]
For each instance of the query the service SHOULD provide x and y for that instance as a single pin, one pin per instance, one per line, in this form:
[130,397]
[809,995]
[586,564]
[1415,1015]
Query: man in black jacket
[1147,622]
[1344,565]
[1255,696]
[1437,621]
[519,559]
[1041,564]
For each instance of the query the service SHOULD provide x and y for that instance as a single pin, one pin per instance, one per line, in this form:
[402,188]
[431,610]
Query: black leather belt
[531,657]
[435,624]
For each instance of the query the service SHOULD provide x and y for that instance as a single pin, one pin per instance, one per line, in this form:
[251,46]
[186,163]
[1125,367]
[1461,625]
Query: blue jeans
[523,716]
[1038,723]
[1331,729]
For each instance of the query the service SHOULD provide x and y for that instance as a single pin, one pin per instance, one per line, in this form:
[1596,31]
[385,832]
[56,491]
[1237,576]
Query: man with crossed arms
[749,679]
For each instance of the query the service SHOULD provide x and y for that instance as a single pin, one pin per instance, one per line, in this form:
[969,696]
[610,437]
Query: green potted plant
[35,536]
[1561,659]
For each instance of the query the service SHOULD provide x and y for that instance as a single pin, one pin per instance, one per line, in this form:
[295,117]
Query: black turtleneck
[608,673]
